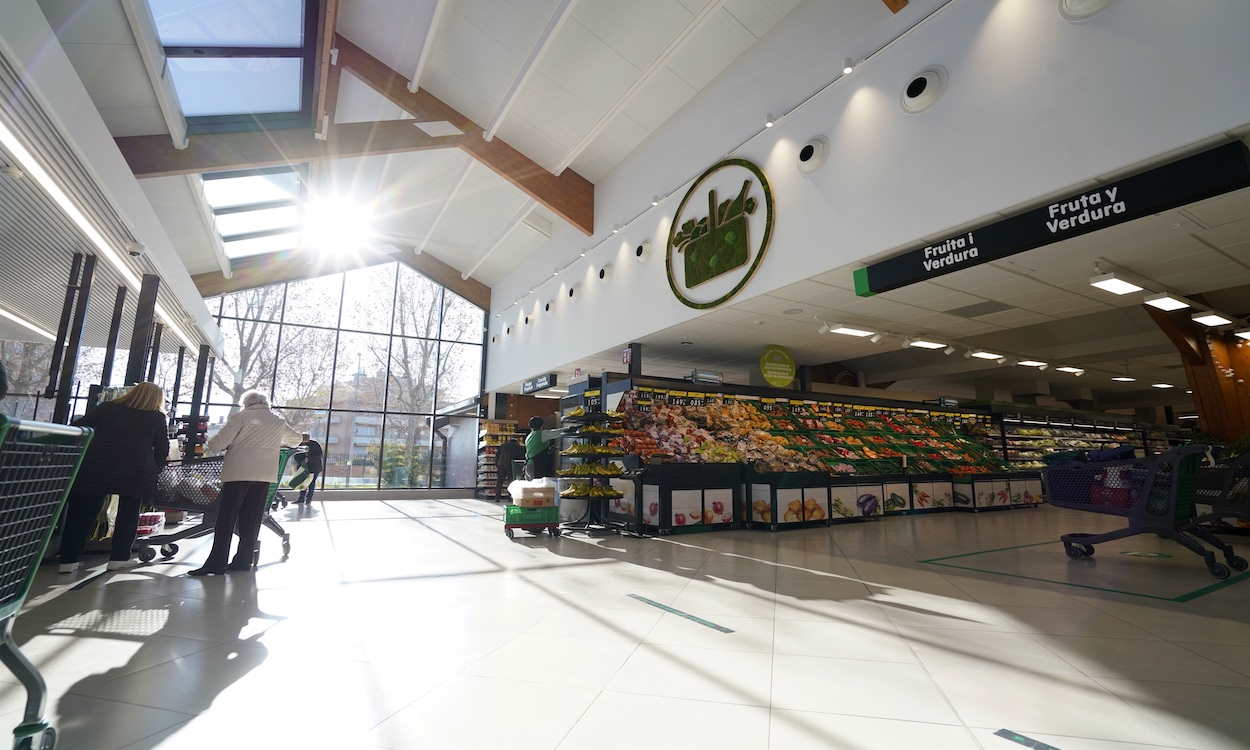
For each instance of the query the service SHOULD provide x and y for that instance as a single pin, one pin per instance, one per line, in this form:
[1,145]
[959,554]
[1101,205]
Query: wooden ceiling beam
[154,155]
[294,265]
[569,195]
[327,73]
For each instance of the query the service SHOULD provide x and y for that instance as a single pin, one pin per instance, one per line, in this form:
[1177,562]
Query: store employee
[539,458]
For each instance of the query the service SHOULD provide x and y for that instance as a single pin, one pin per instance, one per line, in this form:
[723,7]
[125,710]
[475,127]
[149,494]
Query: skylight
[256,211]
[240,64]
[228,189]
[266,243]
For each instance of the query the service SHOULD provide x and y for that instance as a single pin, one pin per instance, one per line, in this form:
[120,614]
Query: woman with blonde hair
[251,439]
[131,441]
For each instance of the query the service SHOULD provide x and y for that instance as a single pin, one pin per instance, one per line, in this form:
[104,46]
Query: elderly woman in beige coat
[251,439]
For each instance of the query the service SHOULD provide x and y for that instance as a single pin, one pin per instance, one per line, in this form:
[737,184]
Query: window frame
[244,121]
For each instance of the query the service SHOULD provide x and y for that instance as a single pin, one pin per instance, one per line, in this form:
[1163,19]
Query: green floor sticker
[1020,739]
[679,613]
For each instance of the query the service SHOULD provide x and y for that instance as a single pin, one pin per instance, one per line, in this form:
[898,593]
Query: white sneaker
[123,564]
[67,568]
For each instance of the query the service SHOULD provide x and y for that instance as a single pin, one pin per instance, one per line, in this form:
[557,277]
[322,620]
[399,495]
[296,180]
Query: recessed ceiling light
[1167,301]
[925,344]
[1116,284]
[1244,333]
[848,331]
[1124,379]
[1188,391]
[985,355]
[1031,363]
[1210,318]
[792,311]
[687,343]
[1072,370]
[1162,385]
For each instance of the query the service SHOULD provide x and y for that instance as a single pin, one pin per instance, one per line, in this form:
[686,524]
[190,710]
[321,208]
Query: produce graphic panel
[718,506]
[922,495]
[842,501]
[687,507]
[1002,493]
[815,504]
[984,494]
[962,494]
[1033,491]
[761,503]
[790,505]
[868,500]
[625,503]
[895,497]
[651,504]
[943,495]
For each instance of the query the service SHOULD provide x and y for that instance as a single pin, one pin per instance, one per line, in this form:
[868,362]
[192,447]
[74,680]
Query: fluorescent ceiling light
[1116,284]
[848,331]
[1244,333]
[1162,385]
[26,324]
[1073,370]
[923,344]
[1167,301]
[1210,318]
[986,355]
[70,209]
[1030,363]
[1124,379]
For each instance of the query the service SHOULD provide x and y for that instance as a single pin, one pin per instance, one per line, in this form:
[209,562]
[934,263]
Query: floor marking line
[83,583]
[1020,739]
[679,613]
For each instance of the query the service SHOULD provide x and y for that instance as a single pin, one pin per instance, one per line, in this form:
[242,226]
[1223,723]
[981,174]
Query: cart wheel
[555,531]
[508,530]
[49,739]
[1089,550]
[169,550]
[147,555]
[1219,570]
[286,548]
[1237,562]
[1078,552]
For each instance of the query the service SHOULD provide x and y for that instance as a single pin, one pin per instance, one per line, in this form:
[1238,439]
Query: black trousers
[307,493]
[83,508]
[241,504]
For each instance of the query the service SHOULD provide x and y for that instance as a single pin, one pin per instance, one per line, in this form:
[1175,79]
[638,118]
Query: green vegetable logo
[721,244]
[718,242]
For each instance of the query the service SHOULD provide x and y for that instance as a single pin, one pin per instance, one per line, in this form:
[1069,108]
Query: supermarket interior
[778,373]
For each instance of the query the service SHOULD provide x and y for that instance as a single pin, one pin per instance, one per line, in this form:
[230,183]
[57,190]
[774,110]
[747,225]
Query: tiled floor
[417,624]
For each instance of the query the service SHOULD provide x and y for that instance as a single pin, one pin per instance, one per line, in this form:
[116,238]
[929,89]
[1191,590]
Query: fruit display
[591,470]
[583,490]
[1027,446]
[590,449]
[774,436]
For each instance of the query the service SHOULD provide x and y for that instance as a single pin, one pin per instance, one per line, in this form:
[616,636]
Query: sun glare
[337,225]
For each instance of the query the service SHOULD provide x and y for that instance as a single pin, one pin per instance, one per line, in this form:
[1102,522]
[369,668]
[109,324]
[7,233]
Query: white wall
[1035,104]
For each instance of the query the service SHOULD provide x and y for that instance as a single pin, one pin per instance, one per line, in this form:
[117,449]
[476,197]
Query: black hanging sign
[1219,170]
[540,383]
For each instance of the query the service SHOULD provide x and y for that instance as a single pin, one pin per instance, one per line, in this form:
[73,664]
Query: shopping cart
[1155,494]
[38,463]
[194,486]
[1225,486]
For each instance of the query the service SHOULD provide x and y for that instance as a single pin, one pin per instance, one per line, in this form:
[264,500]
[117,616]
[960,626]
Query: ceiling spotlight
[1115,283]
[1124,379]
[979,354]
[848,331]
[824,328]
[1210,318]
[1167,301]
[948,350]
[876,338]
[848,65]
[655,201]
[1031,363]
[1162,385]
[769,121]
[582,254]
[616,229]
[687,343]
[1243,333]
[1188,391]
[926,344]
[1042,366]
[1070,369]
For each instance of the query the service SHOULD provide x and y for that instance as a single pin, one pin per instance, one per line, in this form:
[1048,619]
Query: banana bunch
[575,490]
[588,449]
[601,429]
[576,411]
[591,470]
